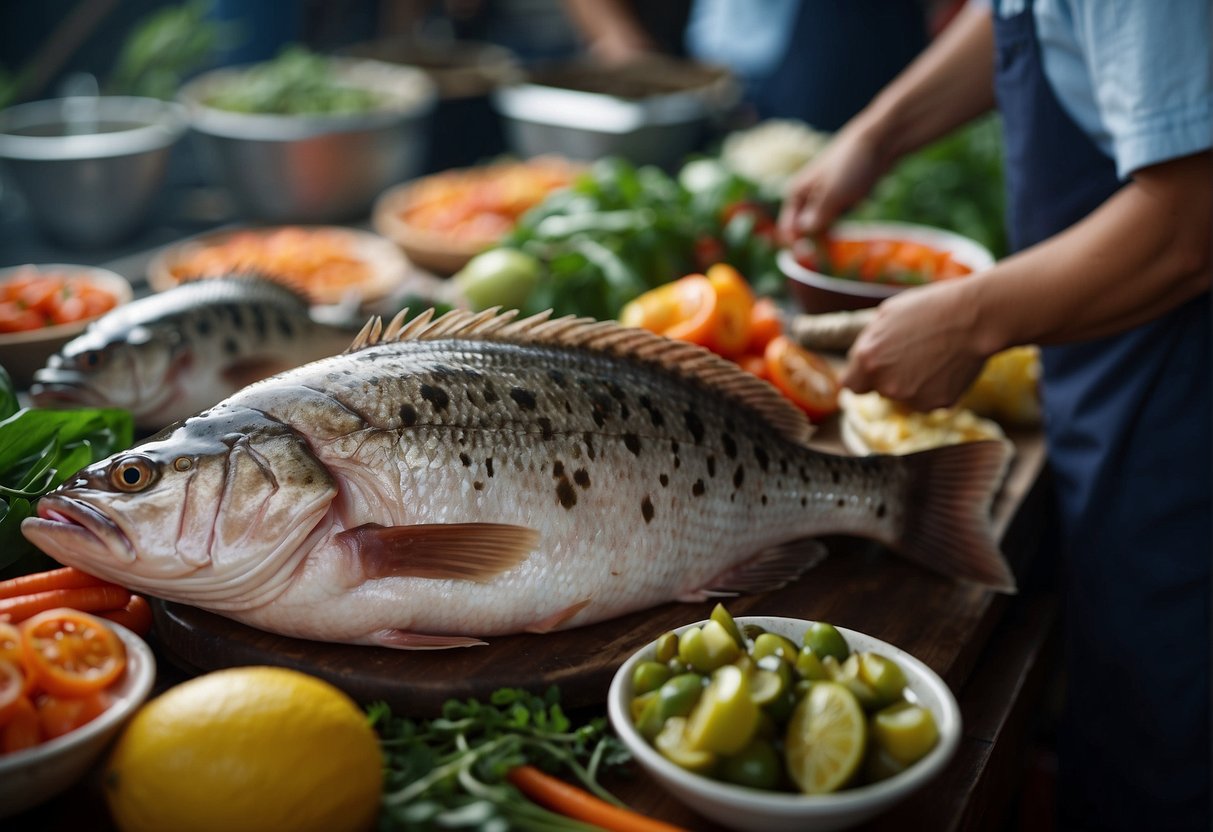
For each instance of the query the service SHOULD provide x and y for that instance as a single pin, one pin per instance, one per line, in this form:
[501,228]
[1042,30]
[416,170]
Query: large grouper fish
[168,355]
[452,479]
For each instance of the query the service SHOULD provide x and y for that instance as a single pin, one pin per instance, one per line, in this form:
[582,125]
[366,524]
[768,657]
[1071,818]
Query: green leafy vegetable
[449,772]
[39,450]
[165,47]
[296,82]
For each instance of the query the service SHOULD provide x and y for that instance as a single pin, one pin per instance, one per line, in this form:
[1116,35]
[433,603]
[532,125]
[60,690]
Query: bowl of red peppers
[42,307]
[859,264]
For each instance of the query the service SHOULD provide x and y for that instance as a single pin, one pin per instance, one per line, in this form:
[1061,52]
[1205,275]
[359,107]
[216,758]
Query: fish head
[211,508]
[141,369]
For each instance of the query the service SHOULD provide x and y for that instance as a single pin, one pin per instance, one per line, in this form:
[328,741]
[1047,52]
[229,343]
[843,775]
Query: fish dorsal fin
[680,357]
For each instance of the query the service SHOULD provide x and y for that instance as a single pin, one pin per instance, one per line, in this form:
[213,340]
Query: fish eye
[90,359]
[182,463]
[132,473]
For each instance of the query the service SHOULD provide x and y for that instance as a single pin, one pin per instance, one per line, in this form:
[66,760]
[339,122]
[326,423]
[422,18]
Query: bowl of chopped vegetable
[42,307]
[309,138]
[59,732]
[768,723]
[860,264]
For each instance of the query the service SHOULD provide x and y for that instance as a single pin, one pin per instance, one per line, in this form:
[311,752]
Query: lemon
[725,719]
[906,731]
[250,748]
[825,738]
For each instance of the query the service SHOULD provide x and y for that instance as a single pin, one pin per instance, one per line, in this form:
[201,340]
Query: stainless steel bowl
[315,168]
[651,112]
[89,168]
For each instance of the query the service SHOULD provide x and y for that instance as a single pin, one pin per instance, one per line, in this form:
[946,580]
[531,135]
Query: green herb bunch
[450,772]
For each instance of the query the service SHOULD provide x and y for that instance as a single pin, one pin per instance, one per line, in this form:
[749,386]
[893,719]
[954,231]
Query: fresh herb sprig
[449,772]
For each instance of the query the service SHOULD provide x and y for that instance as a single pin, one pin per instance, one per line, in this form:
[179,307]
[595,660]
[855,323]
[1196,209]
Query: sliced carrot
[136,616]
[67,577]
[571,801]
[85,599]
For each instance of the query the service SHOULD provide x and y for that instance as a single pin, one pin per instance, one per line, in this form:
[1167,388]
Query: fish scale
[471,476]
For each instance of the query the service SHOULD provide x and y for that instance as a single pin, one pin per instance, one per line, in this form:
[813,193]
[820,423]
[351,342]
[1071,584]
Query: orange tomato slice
[803,376]
[71,653]
[59,715]
[765,325]
[755,364]
[22,730]
[12,689]
[734,307]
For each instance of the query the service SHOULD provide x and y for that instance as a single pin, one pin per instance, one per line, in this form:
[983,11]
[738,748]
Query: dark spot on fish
[646,509]
[589,445]
[490,395]
[760,454]
[599,419]
[632,442]
[582,477]
[524,398]
[804,502]
[603,406]
[739,476]
[664,479]
[729,426]
[488,466]
[804,475]
[333,376]
[373,381]
[478,485]
[558,378]
[469,373]
[841,502]
[620,396]
[467,394]
[566,494]
[881,511]
[694,425]
[408,415]
[655,415]
[698,488]
[259,326]
[730,445]
[204,327]
[568,407]
[558,468]
[466,460]
[435,396]
[674,447]
[230,346]
[545,427]
[783,466]
[835,476]
[442,371]
[711,466]
[764,499]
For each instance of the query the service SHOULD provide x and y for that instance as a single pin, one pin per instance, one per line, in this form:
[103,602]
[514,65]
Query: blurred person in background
[1107,111]
[819,61]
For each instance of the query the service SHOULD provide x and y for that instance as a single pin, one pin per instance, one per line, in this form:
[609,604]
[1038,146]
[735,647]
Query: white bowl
[22,353]
[30,777]
[738,807]
[819,293]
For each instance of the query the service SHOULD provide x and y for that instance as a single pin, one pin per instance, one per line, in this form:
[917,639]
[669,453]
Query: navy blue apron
[1128,423]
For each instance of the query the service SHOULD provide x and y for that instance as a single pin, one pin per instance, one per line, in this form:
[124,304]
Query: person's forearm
[949,84]
[607,21]
[1142,253]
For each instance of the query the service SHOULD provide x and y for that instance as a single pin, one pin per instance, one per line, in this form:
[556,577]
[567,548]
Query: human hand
[920,348]
[830,183]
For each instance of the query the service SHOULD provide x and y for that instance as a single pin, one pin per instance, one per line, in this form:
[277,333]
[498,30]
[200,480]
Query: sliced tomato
[754,363]
[947,267]
[698,308]
[59,715]
[16,318]
[803,376]
[22,730]
[765,325]
[12,689]
[735,305]
[71,653]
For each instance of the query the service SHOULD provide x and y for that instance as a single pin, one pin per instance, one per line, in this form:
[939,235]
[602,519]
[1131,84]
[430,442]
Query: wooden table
[994,651]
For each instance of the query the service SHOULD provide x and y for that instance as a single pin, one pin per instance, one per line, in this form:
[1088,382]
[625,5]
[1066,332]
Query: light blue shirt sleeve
[1136,75]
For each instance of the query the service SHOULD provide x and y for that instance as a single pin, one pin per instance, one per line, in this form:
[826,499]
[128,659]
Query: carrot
[85,599]
[68,577]
[571,801]
[136,616]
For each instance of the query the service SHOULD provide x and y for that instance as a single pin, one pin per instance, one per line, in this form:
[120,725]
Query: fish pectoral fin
[243,372]
[463,551]
[403,640]
[771,568]
[553,621]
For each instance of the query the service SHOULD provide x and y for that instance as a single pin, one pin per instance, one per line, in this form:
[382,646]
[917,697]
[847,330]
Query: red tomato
[756,364]
[803,376]
[71,653]
[16,318]
[765,325]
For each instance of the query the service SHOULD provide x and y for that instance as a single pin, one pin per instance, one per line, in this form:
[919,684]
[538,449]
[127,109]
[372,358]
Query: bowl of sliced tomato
[68,682]
[42,307]
[860,264]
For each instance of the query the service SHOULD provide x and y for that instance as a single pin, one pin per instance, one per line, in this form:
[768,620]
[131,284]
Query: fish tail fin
[949,494]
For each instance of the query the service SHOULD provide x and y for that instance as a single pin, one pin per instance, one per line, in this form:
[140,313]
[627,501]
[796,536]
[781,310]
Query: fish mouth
[74,526]
[57,387]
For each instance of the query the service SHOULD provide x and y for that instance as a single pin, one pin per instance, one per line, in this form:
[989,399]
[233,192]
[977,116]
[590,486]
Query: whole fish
[452,479]
[174,353]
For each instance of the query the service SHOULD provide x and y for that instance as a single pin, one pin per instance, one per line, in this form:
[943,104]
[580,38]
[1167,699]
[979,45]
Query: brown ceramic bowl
[819,293]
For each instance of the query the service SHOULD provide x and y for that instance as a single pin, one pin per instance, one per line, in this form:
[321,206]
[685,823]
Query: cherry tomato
[735,304]
[765,325]
[803,376]
[71,653]
[59,715]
